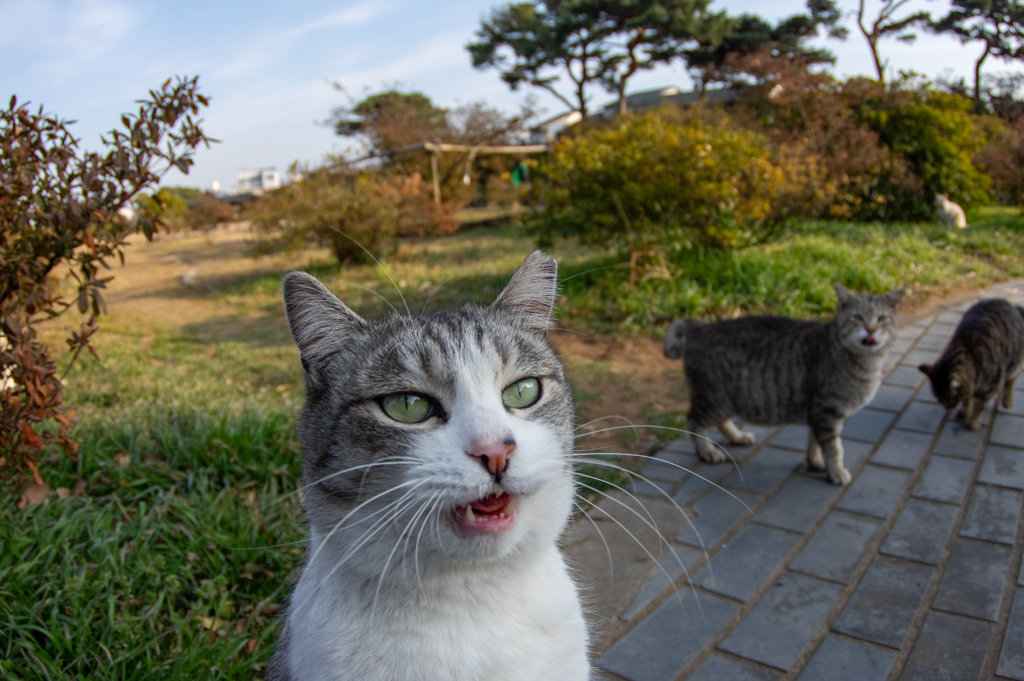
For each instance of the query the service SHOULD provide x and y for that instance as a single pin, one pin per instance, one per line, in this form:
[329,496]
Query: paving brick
[840,660]
[742,565]
[921,531]
[919,356]
[716,515]
[653,488]
[694,485]
[783,623]
[720,669]
[951,318]
[993,514]
[875,492]
[935,342]
[662,470]
[1020,577]
[957,441]
[836,549]
[766,470]
[791,437]
[1008,430]
[1011,659]
[1003,467]
[903,449]
[906,377]
[922,417]
[868,425]
[671,568]
[662,645]
[950,648]
[799,504]
[945,479]
[683,445]
[891,398]
[975,579]
[673,457]
[925,394]
[1018,406]
[883,606]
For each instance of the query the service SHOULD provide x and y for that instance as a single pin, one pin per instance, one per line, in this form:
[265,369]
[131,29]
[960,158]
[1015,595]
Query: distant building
[256,180]
[549,130]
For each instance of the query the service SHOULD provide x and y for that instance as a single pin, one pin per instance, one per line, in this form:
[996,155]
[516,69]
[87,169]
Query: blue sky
[268,65]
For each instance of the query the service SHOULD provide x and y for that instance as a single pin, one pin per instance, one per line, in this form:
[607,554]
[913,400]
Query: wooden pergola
[436,148]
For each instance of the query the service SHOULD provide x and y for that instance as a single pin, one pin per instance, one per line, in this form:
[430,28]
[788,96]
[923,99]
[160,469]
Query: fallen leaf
[271,608]
[63,492]
[737,313]
[3,460]
[79,489]
[34,494]
[191,556]
[251,646]
[122,459]
[240,626]
[35,472]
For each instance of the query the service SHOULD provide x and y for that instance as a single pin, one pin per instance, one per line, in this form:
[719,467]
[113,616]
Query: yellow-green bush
[665,181]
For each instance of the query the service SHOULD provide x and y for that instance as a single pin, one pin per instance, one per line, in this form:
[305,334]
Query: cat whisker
[387,461]
[652,524]
[431,296]
[397,508]
[603,418]
[639,543]
[600,533]
[387,563]
[432,515]
[677,430]
[417,483]
[421,513]
[382,268]
[577,457]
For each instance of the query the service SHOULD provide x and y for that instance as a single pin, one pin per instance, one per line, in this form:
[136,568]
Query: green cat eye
[407,407]
[523,393]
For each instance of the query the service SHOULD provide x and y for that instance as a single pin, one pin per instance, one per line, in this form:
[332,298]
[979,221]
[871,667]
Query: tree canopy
[998,24]
[591,42]
[886,24]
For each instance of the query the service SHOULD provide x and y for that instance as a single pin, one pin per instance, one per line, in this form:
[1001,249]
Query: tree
[886,25]
[787,39]
[639,34]
[59,207]
[391,119]
[529,43]
[999,24]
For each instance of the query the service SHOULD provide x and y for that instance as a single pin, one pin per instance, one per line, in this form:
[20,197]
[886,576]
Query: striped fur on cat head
[867,323]
[452,428]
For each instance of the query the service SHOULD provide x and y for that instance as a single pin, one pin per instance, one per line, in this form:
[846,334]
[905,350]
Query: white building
[256,180]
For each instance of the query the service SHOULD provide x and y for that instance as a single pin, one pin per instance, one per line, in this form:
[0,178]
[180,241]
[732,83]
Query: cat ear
[894,298]
[926,369]
[320,322]
[531,291]
[843,295]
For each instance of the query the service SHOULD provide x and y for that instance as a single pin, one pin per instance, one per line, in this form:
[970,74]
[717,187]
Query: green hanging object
[521,175]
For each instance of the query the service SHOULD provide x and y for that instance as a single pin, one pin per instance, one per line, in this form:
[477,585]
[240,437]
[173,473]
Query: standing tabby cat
[983,357]
[776,370]
[438,480]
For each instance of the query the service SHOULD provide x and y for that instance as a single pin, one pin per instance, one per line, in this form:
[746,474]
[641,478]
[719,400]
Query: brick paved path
[912,572]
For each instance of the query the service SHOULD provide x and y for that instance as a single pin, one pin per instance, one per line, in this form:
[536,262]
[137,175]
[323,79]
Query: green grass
[794,276]
[188,535]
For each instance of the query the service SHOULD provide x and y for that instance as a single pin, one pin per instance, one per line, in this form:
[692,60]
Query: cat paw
[712,455]
[973,424]
[744,439]
[816,464]
[840,477]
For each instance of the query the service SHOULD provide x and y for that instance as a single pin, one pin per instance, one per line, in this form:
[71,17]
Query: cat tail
[675,337]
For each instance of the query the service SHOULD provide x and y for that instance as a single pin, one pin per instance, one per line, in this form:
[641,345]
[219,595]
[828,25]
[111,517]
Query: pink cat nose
[493,454]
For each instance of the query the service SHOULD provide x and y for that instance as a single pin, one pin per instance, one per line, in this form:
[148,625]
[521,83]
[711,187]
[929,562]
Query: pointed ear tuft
[531,291]
[843,295]
[320,323]
[926,369]
[895,298]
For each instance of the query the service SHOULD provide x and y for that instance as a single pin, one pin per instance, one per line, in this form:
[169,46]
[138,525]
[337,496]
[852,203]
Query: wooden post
[435,178]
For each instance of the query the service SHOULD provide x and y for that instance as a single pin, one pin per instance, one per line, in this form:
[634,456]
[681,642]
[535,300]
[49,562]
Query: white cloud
[65,36]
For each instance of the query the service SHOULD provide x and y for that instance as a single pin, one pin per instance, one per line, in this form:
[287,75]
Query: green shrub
[662,182]
[345,211]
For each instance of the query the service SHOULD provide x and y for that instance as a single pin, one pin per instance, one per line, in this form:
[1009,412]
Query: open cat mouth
[493,513]
[869,340]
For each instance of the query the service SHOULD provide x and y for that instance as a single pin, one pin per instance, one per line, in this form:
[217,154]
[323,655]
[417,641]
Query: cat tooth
[470,518]
[498,490]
